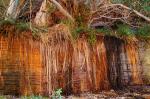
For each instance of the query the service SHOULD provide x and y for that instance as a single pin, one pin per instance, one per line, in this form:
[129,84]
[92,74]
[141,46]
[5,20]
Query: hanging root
[56,34]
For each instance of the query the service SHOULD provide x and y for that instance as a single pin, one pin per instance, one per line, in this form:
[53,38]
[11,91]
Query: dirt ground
[130,92]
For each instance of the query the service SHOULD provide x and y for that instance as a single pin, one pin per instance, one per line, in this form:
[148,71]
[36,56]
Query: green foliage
[7,22]
[124,30]
[12,25]
[106,31]
[23,26]
[146,5]
[57,94]
[3,97]
[82,15]
[91,33]
[140,5]
[147,8]
[68,23]
[20,27]
[91,36]
[144,31]
[77,31]
[79,20]
[35,33]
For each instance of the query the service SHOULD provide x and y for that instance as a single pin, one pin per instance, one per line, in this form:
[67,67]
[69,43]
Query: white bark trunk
[41,16]
[62,10]
[11,11]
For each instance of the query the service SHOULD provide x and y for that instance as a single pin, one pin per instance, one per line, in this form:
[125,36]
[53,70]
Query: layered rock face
[29,66]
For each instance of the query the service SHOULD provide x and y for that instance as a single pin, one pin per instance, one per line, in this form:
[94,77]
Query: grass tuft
[7,22]
[124,30]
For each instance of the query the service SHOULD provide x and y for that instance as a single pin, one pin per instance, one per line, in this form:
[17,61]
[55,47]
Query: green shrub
[144,31]
[77,31]
[22,26]
[7,22]
[91,37]
[124,30]
[140,5]
[3,97]
[57,94]
[104,30]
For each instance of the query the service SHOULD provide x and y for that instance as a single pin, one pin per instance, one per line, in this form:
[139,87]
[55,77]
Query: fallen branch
[62,10]
[110,13]
[136,12]
[125,7]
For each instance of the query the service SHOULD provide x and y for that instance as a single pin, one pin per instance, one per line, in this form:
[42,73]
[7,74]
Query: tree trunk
[62,10]
[11,11]
[41,16]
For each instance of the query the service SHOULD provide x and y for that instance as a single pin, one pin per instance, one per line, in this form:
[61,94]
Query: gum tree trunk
[11,11]
[41,16]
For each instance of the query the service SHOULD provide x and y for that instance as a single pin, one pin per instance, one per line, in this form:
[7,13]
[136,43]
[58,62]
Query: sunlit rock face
[29,66]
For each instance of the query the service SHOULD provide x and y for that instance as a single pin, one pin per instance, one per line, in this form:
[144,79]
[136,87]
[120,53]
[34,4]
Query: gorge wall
[29,66]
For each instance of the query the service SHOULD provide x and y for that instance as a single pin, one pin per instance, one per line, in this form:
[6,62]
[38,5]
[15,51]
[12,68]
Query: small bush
[144,31]
[22,26]
[7,22]
[91,37]
[124,30]
[104,30]
[77,31]
[57,94]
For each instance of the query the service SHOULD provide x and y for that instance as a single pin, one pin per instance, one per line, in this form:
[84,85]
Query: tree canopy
[82,13]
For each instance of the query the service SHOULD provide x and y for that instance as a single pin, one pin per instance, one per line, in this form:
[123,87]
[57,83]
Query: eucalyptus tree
[36,10]
[11,11]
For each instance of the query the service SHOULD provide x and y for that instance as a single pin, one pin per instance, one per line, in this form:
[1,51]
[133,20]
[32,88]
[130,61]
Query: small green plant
[7,22]
[104,30]
[79,20]
[124,30]
[68,23]
[17,27]
[91,33]
[92,37]
[144,31]
[22,26]
[3,97]
[77,31]
[57,94]
[140,5]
